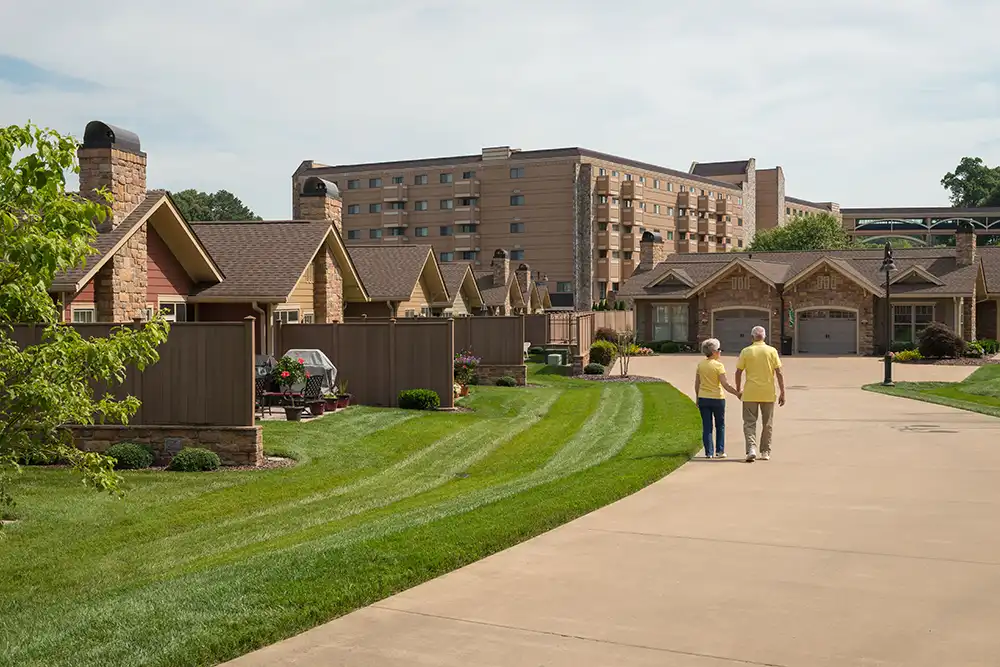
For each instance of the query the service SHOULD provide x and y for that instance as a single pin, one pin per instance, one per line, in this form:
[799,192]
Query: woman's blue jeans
[713,409]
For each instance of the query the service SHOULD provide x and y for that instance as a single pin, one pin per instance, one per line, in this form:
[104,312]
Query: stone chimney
[320,199]
[501,267]
[965,244]
[652,251]
[524,276]
[110,157]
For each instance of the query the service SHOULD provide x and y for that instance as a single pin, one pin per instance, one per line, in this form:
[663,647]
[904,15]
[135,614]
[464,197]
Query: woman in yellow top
[709,382]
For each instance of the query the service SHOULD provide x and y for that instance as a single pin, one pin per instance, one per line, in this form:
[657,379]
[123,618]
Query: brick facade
[328,288]
[235,445]
[321,208]
[726,293]
[123,173]
[489,374]
[826,288]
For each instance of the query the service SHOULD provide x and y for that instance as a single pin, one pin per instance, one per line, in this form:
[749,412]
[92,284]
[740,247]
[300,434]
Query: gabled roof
[918,271]
[497,295]
[391,272]
[156,208]
[840,266]
[459,277]
[680,275]
[264,260]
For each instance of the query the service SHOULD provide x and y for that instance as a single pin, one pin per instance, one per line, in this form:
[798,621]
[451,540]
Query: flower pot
[465,390]
[318,408]
[294,414]
[331,404]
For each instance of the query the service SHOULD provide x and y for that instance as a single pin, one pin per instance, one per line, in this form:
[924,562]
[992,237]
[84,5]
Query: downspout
[262,346]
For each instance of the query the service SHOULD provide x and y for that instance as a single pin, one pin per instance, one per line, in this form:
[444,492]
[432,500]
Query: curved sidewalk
[869,539]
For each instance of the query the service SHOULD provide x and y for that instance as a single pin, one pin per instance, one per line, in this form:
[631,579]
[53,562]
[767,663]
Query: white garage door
[828,332]
[732,327]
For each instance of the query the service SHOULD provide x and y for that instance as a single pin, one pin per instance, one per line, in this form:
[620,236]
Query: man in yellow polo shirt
[760,362]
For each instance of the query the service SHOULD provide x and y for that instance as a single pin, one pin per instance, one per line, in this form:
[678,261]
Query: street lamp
[888,266]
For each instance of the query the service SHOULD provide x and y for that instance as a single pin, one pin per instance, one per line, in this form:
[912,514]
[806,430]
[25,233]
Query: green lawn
[980,392]
[197,568]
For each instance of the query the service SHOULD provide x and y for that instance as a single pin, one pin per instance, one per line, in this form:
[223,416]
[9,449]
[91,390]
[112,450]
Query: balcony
[706,246]
[630,215]
[723,228]
[631,241]
[706,204]
[394,218]
[608,238]
[705,226]
[631,190]
[608,185]
[684,246]
[607,213]
[467,188]
[684,223]
[723,207]
[683,200]
[395,192]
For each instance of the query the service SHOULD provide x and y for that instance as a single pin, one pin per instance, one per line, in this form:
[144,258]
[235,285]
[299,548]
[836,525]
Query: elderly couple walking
[760,365]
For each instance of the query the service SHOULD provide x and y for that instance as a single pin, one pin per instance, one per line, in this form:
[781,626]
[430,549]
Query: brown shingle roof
[390,273]
[710,169]
[454,277]
[261,260]
[493,295]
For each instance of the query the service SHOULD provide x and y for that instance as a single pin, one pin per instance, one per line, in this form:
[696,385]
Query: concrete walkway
[869,539]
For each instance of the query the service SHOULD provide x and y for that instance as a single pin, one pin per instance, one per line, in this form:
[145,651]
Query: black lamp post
[888,266]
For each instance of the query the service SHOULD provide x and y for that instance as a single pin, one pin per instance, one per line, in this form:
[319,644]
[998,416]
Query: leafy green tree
[973,183]
[812,231]
[221,205]
[44,388]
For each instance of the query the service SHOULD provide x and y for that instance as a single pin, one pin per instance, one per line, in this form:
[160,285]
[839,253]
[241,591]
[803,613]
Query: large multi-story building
[573,215]
[928,225]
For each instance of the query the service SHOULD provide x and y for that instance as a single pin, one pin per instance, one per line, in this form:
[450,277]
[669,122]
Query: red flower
[301,360]
[285,374]
[307,374]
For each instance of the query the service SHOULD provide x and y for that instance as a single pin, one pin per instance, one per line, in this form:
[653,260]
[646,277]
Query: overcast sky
[864,103]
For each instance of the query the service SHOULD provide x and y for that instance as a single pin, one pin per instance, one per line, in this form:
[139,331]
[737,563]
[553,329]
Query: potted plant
[343,398]
[466,364]
[287,373]
[331,401]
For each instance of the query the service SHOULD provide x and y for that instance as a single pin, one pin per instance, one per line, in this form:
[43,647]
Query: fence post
[251,369]
[136,376]
[393,391]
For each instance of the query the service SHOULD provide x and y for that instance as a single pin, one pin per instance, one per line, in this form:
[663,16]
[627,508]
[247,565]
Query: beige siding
[419,299]
[460,307]
[302,293]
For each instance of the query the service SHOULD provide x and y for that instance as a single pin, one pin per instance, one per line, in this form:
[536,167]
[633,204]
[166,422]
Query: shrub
[606,333]
[907,356]
[593,369]
[194,459]
[901,346]
[670,347]
[506,381]
[130,456]
[989,345]
[974,350]
[603,352]
[419,399]
[940,342]
[536,350]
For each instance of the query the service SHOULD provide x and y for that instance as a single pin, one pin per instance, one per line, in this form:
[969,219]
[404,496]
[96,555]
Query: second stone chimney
[965,244]
[652,251]
[320,199]
[524,276]
[501,267]
[111,157]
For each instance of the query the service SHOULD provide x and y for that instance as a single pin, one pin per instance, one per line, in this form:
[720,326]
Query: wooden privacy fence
[584,331]
[380,358]
[562,328]
[616,320]
[205,375]
[536,329]
[497,341]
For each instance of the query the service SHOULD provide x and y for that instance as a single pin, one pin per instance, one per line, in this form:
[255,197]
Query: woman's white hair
[710,346]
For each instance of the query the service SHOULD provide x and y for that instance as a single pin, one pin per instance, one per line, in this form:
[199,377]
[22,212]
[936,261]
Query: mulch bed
[963,361]
[618,378]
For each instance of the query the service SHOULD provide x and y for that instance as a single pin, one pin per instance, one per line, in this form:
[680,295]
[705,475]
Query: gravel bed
[618,378]
[964,361]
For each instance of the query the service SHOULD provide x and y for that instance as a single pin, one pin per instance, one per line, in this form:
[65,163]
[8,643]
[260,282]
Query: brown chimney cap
[102,135]
[651,237]
[315,186]
[500,253]
[523,267]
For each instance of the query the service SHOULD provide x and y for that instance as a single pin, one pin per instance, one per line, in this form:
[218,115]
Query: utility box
[554,360]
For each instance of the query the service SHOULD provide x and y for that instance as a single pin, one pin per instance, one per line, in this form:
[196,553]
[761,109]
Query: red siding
[86,295]
[166,275]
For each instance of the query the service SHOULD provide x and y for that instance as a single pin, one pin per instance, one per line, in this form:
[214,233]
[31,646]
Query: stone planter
[294,414]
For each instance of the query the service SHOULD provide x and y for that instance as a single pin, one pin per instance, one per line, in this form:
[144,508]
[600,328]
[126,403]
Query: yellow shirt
[709,372]
[758,362]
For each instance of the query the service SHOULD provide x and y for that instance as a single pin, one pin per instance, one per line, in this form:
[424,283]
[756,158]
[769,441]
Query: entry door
[732,327]
[828,332]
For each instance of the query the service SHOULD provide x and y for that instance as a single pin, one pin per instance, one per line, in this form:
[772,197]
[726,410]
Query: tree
[48,386]
[221,205]
[973,183]
[812,231]
[625,346]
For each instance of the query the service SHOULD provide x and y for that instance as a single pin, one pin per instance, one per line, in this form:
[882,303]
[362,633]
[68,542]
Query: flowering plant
[465,366]
[288,372]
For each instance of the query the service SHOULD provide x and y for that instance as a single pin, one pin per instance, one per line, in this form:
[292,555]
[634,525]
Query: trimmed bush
[937,341]
[989,345]
[606,333]
[974,350]
[593,369]
[603,352]
[536,350]
[194,459]
[419,399]
[670,347]
[907,356]
[130,456]
[506,381]
[901,346]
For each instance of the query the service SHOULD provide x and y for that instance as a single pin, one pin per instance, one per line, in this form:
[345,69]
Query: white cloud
[862,104]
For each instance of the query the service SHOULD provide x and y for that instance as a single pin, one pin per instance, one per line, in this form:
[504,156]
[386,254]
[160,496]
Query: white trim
[195,241]
[84,305]
[708,282]
[711,318]
[916,268]
[671,272]
[857,280]
[857,326]
[892,315]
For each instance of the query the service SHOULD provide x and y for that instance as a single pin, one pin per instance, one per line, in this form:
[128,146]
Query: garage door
[732,327]
[828,332]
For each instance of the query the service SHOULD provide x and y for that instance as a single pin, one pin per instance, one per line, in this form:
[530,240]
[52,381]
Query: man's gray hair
[710,346]
[758,333]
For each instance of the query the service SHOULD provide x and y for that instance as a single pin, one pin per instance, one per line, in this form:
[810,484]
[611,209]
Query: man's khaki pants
[750,412]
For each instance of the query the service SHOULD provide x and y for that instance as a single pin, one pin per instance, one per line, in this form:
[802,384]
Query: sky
[862,103]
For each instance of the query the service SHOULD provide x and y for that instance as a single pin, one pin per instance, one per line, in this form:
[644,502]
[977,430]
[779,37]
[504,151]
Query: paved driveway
[869,539]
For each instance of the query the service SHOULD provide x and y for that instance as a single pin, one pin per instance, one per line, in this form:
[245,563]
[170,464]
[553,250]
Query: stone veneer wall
[121,286]
[328,288]
[969,316]
[488,375]
[123,173]
[722,295]
[235,445]
[812,292]
[749,212]
[583,237]
[321,208]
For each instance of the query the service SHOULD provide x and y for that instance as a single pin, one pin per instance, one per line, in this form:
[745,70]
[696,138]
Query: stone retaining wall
[235,445]
[488,375]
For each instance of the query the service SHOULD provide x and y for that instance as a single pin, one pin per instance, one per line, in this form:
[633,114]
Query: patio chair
[312,392]
[263,396]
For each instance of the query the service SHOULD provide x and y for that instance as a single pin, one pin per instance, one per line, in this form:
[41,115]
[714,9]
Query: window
[354,184]
[628,229]
[670,235]
[603,254]
[602,226]
[468,175]
[602,288]
[517,228]
[825,282]
[656,184]
[681,212]
[516,254]
[83,314]
[628,254]
[670,187]
[670,322]
[374,233]
[420,179]
[174,312]
[628,177]
[739,222]
[642,180]
[615,254]
[447,204]
[396,231]
[467,201]
[682,236]
[656,208]
[397,180]
[740,202]
[739,243]
[788,211]
[398,205]
[614,201]
[446,230]
[615,227]
[614,287]
[466,229]
[287,316]
[670,210]
[729,219]
[447,257]
[420,206]
[517,200]
[353,209]
[602,199]
[684,188]
[309,318]
[740,283]
[374,182]
[374,208]
[446,178]
[517,172]
[614,173]
[627,203]
[600,172]
[469,255]
[565,287]
[909,320]
[642,206]
[353,234]
[421,231]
